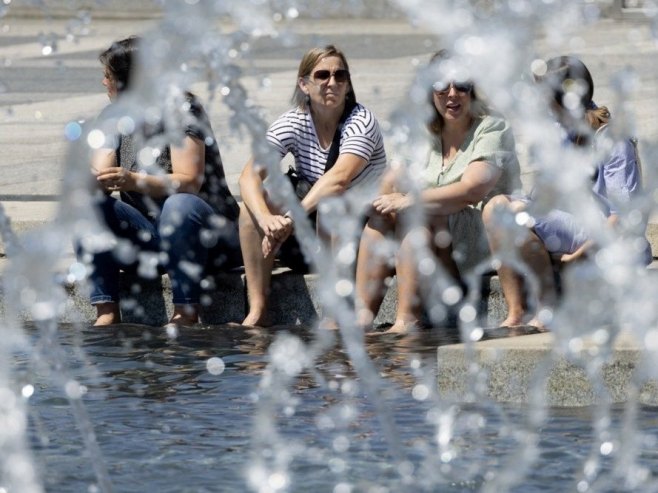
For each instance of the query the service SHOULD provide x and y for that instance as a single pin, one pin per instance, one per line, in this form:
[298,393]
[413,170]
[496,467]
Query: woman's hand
[579,254]
[116,179]
[276,231]
[392,203]
[572,257]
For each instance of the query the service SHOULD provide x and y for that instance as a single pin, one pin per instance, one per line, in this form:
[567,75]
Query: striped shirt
[294,132]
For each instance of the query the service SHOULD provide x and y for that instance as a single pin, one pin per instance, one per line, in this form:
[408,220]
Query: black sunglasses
[341,75]
[442,87]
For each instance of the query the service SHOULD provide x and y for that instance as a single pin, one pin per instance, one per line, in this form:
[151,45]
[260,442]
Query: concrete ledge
[149,302]
[295,300]
[517,367]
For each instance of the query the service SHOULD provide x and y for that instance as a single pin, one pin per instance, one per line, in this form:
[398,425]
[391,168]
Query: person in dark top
[174,206]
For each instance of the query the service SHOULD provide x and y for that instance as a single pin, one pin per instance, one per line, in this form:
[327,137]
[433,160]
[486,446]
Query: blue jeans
[188,240]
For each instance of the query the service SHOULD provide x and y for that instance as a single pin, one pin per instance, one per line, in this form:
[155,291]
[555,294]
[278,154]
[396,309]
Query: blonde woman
[325,111]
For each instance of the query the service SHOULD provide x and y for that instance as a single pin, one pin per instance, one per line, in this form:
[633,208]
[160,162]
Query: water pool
[165,423]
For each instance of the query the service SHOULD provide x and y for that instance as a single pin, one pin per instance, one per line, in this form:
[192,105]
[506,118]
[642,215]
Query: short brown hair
[119,59]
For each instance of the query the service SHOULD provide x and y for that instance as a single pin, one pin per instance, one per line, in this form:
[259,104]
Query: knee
[178,206]
[382,224]
[493,207]
[108,207]
[184,210]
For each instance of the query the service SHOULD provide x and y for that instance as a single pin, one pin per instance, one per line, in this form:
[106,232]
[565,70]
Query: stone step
[521,369]
[295,300]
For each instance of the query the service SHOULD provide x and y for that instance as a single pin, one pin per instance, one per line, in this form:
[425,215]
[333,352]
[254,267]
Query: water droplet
[77,272]
[452,295]
[343,488]
[427,266]
[96,139]
[215,366]
[476,334]
[172,331]
[524,219]
[467,313]
[420,392]
[73,389]
[606,448]
[277,481]
[72,131]
[126,125]
[27,391]
[538,67]
[341,444]
[344,287]
[44,310]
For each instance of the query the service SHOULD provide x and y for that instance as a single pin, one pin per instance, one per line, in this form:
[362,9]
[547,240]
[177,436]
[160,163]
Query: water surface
[165,423]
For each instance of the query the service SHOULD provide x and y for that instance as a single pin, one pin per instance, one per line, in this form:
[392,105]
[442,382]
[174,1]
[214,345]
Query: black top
[189,120]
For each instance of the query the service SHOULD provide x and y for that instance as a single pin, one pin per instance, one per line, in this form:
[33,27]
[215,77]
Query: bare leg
[408,314]
[512,285]
[258,270]
[538,259]
[372,269]
[107,314]
[441,245]
[532,252]
[510,281]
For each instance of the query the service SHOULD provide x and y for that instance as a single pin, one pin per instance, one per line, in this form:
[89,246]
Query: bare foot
[185,315]
[107,314]
[537,324]
[257,319]
[512,322]
[365,319]
[327,324]
[404,327]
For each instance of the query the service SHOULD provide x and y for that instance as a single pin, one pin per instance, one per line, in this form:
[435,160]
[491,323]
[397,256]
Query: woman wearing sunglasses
[337,148]
[615,181]
[471,157]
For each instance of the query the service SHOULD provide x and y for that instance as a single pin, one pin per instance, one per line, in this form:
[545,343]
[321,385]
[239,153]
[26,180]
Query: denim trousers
[188,241]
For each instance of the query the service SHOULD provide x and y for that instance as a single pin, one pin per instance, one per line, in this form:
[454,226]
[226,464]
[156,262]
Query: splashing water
[499,40]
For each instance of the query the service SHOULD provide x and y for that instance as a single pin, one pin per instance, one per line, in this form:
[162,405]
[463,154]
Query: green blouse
[489,139]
